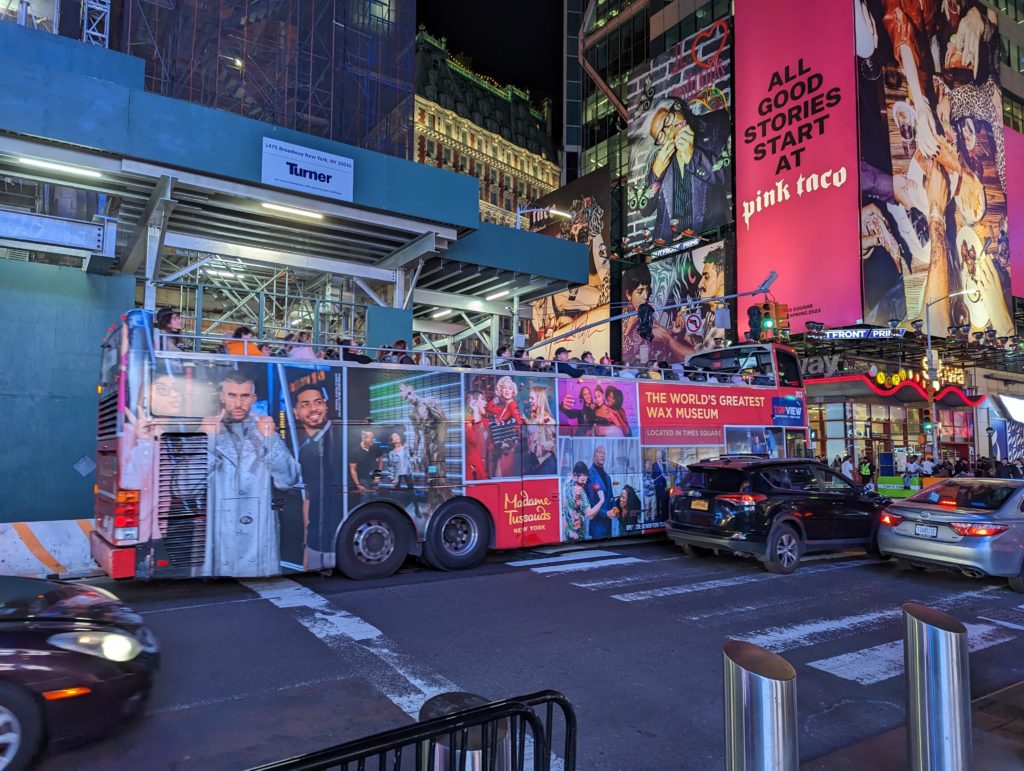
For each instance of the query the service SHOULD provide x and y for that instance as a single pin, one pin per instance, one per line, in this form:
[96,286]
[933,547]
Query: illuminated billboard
[933,221]
[796,157]
[678,332]
[1015,207]
[578,212]
[680,139]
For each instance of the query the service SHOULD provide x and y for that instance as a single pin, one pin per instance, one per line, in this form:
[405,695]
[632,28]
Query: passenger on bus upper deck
[240,344]
[502,359]
[168,325]
[520,362]
[350,352]
[562,365]
[400,354]
[300,347]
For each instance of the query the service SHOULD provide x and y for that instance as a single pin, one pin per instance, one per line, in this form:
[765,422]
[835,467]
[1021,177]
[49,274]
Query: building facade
[338,69]
[467,123]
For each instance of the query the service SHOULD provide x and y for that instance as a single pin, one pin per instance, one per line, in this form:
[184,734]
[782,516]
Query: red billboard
[796,156]
[1015,208]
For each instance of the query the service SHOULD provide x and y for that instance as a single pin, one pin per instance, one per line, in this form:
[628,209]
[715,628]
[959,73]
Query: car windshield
[719,480]
[23,598]
[966,494]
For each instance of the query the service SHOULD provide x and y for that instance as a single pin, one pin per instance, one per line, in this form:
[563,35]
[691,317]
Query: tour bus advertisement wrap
[214,465]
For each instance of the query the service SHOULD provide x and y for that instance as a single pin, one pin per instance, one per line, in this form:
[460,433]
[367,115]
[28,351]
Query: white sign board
[306,170]
[694,323]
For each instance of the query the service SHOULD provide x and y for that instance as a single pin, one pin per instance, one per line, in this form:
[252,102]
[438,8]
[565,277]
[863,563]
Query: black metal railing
[508,735]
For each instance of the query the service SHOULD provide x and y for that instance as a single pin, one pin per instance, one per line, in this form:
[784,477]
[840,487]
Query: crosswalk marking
[704,586]
[575,567]
[1011,618]
[819,630]
[406,683]
[869,666]
[569,557]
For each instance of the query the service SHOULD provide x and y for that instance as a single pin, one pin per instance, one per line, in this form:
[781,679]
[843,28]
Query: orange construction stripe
[85,525]
[37,548]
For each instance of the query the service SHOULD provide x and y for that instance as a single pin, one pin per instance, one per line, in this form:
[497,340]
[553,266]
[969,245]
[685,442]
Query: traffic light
[781,318]
[754,319]
[927,426]
[768,316]
[645,321]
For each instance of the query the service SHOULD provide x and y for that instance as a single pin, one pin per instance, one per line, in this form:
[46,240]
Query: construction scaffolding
[341,69]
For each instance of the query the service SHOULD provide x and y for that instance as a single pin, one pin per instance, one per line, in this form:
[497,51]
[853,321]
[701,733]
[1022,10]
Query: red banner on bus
[695,415]
[525,512]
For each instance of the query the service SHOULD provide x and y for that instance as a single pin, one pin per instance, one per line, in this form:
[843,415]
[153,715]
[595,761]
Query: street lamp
[991,432]
[933,373]
[521,210]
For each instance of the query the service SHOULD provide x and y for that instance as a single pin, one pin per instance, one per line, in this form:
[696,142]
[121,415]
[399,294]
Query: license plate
[931,531]
[698,504]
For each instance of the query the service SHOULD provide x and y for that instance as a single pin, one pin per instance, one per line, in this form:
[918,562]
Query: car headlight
[105,645]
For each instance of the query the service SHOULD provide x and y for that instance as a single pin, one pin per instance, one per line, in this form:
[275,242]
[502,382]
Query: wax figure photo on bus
[933,167]
[597,407]
[586,202]
[690,276]
[680,139]
[510,427]
[248,465]
[404,438]
[746,440]
[311,411]
[664,471]
[607,500]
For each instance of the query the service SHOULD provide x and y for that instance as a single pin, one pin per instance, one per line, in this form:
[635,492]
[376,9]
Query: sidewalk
[998,740]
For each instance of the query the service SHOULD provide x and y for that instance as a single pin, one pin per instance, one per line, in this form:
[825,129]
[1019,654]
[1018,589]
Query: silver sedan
[975,526]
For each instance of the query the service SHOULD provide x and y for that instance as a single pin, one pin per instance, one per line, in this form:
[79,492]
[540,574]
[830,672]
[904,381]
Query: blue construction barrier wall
[52,322]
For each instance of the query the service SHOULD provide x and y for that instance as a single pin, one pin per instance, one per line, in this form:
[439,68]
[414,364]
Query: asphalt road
[260,670]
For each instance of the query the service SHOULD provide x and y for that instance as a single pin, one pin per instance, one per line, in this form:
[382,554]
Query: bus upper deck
[213,464]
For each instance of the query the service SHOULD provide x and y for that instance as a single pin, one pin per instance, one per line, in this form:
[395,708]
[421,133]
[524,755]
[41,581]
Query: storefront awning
[861,386]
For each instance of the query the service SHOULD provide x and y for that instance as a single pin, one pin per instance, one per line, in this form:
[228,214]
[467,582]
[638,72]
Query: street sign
[694,323]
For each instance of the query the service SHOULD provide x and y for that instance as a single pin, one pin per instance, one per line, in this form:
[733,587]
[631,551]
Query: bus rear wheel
[458,536]
[373,543]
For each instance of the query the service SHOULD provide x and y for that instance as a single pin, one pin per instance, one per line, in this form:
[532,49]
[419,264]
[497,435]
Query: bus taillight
[126,516]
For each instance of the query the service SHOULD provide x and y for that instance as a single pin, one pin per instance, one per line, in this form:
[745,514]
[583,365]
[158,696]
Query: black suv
[775,510]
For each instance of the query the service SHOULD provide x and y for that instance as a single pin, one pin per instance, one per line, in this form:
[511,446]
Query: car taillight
[977,528]
[888,518]
[742,499]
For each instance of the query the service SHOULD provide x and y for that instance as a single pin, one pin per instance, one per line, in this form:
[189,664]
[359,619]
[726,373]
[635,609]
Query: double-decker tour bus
[221,465]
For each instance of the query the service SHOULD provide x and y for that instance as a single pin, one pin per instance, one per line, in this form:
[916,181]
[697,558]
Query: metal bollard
[938,682]
[760,709]
[472,751]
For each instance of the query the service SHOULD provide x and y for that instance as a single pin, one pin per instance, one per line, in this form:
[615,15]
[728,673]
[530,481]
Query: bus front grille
[181,500]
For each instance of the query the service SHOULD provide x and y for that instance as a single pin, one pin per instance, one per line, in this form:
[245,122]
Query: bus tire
[458,536]
[373,543]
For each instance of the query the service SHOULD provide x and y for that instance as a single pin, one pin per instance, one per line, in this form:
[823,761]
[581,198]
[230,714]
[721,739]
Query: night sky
[518,43]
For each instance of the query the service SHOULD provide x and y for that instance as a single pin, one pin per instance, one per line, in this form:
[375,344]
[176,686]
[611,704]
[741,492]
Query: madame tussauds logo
[515,503]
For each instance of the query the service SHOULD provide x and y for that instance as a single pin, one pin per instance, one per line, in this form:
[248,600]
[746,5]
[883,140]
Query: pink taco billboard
[796,157]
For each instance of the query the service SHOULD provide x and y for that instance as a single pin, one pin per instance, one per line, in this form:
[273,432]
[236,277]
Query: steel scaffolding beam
[96,22]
